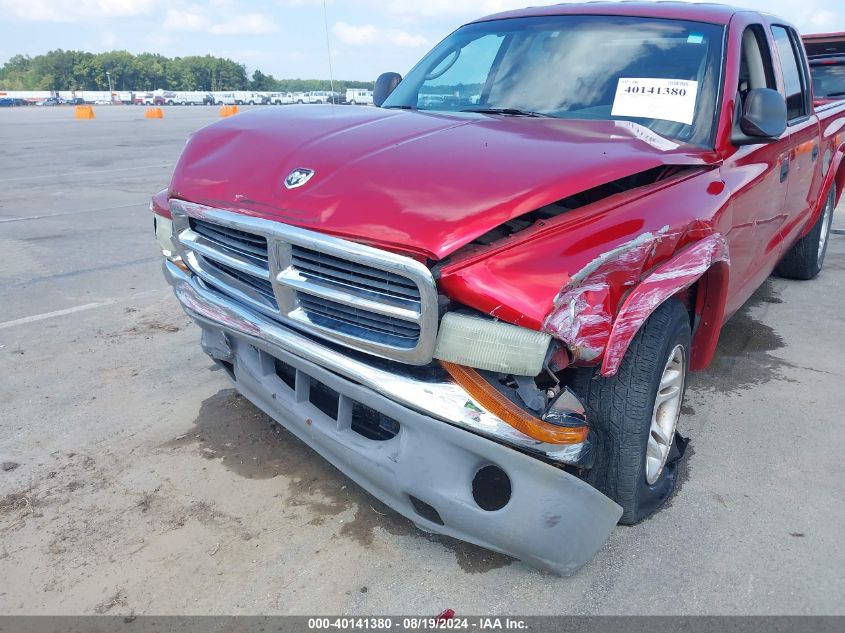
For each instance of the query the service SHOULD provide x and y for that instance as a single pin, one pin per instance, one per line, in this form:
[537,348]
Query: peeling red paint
[583,313]
[582,316]
[666,280]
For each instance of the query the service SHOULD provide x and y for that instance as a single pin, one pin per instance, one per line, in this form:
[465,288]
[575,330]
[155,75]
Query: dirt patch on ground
[231,430]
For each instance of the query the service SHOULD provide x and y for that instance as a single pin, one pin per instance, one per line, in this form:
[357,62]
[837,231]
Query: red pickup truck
[481,300]
[826,52]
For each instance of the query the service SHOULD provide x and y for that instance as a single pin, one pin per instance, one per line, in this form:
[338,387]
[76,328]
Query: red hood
[406,180]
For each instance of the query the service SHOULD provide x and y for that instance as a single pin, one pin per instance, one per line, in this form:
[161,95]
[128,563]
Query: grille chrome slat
[365,298]
[345,295]
[330,267]
[205,248]
[251,252]
[262,286]
[360,317]
[230,235]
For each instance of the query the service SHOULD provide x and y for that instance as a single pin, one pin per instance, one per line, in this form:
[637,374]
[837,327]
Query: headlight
[491,345]
[164,235]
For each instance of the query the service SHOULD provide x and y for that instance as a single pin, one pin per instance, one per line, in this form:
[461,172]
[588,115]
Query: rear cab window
[795,84]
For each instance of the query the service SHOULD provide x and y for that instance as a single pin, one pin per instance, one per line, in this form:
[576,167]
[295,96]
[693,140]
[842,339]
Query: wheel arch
[705,265]
[835,175]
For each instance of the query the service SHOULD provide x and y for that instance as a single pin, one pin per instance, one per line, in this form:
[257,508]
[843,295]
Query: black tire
[806,258]
[620,410]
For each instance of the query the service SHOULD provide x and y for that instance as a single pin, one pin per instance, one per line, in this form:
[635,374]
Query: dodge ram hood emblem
[298,177]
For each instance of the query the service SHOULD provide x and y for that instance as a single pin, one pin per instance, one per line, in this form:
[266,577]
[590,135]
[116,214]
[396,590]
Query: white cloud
[408,40]
[223,23]
[246,24]
[185,21]
[74,10]
[368,34]
[355,35]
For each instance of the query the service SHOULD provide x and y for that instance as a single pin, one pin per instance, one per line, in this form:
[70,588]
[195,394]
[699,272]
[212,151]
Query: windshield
[829,80]
[662,74]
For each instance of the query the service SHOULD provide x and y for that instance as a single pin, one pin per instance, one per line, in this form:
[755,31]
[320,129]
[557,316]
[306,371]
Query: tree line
[78,70]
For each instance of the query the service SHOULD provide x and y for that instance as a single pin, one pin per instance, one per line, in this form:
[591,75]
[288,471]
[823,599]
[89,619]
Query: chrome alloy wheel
[667,410]
[828,218]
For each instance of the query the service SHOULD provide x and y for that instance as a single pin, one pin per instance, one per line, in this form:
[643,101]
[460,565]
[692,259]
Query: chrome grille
[329,314]
[363,297]
[232,240]
[343,272]
[261,286]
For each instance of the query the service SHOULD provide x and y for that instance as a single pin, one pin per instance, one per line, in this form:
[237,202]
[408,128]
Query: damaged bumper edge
[430,472]
[441,399]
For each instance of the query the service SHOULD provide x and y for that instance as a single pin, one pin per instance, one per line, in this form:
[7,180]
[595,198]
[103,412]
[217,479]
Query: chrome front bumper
[440,399]
[552,519]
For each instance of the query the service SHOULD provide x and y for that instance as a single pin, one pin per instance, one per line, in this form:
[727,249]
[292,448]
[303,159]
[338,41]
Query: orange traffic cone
[84,112]
[154,113]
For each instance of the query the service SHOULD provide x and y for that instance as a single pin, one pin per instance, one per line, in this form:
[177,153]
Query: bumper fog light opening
[491,488]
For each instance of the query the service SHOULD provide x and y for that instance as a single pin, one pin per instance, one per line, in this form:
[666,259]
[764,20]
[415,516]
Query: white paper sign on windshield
[665,99]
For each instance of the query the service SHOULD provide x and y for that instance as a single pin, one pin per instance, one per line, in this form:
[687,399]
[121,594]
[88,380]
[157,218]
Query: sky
[287,38]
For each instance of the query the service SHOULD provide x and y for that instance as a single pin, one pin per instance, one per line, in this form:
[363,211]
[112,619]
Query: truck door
[804,176]
[755,175]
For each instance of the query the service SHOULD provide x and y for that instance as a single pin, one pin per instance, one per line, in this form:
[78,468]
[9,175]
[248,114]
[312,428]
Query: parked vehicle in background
[824,44]
[492,329]
[325,96]
[281,98]
[52,101]
[208,99]
[828,78]
[359,96]
[250,98]
[172,98]
[192,98]
[224,98]
[8,102]
[317,96]
[124,97]
[827,65]
[300,97]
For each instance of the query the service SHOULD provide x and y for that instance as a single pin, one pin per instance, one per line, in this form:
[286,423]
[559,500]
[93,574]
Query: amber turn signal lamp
[497,404]
[181,265]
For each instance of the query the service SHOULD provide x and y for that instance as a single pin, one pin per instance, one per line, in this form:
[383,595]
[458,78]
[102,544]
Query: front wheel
[806,258]
[635,413]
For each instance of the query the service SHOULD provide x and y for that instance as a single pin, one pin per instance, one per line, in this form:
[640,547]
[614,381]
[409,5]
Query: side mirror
[385,84]
[763,117]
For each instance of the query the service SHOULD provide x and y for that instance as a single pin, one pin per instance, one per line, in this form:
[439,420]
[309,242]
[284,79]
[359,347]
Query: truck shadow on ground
[250,444]
[744,356]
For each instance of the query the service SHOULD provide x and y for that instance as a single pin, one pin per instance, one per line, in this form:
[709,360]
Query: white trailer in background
[359,96]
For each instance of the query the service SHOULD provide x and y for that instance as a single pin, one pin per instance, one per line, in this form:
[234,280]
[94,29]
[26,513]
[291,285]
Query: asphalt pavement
[134,480]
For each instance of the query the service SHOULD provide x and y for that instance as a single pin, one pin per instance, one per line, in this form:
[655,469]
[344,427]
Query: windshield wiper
[508,112]
[836,94]
[400,107]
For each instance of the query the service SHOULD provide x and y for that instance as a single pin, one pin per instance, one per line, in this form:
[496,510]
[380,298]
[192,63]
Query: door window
[791,63]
